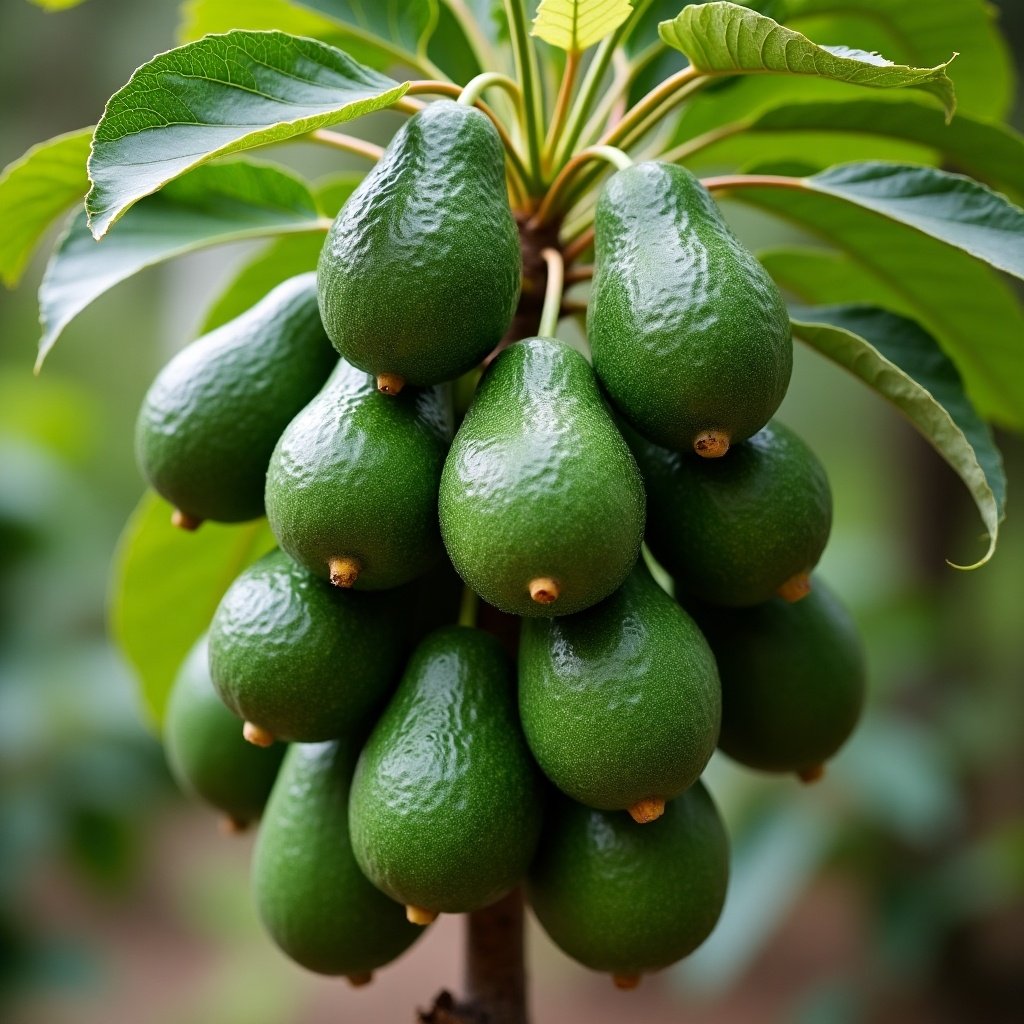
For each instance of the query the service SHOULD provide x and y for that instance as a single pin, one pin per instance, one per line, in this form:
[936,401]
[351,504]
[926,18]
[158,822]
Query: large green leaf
[221,94]
[968,308]
[898,359]
[219,203]
[574,25]
[725,39]
[992,152]
[34,191]
[165,587]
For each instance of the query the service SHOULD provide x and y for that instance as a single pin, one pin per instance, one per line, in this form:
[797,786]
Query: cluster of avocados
[406,766]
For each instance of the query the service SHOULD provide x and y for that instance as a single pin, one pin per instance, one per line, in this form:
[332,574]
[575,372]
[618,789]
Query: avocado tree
[421,565]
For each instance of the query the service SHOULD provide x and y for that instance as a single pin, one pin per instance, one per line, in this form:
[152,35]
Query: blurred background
[891,891]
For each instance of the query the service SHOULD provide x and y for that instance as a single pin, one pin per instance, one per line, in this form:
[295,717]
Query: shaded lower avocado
[446,801]
[303,660]
[310,894]
[205,749]
[793,680]
[629,900]
[620,703]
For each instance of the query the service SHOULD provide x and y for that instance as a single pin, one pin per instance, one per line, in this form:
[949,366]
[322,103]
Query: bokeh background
[891,891]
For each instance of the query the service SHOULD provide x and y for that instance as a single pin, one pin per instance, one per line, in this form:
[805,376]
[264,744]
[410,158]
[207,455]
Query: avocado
[793,680]
[301,660]
[310,894]
[214,413]
[630,900]
[205,750]
[541,502]
[352,484]
[690,336]
[737,530]
[446,803]
[420,273]
[620,703]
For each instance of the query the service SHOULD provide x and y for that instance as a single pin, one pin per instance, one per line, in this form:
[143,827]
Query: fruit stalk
[495,973]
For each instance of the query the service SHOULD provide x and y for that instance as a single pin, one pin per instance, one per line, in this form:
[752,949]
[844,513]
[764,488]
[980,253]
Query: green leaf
[165,586]
[56,5]
[725,39]
[401,27]
[221,94]
[573,25]
[898,359]
[207,17]
[34,191]
[219,203]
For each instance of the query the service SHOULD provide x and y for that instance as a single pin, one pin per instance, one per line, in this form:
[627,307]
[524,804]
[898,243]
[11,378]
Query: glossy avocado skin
[209,422]
[620,702]
[355,474]
[687,330]
[539,483]
[300,658]
[310,894]
[205,749]
[420,273]
[733,530]
[793,679]
[628,898]
[446,803]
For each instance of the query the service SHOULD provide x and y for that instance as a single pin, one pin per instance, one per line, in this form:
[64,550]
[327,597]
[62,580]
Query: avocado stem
[813,774]
[649,809]
[544,590]
[232,826]
[420,916]
[626,982]
[344,571]
[359,980]
[795,588]
[390,383]
[183,521]
[257,735]
[711,444]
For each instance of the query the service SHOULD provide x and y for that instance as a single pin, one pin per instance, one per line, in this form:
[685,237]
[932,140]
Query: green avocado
[620,703]
[205,749]
[419,276]
[630,900]
[735,531]
[301,660]
[352,484]
[690,335]
[310,894]
[541,502]
[446,803]
[214,413]
[793,680]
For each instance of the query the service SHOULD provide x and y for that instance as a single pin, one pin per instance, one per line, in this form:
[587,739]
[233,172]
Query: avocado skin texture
[310,894]
[628,898]
[446,803]
[209,422]
[355,474]
[733,530]
[420,272]
[793,679]
[539,483]
[304,660]
[205,750]
[688,331]
[620,702]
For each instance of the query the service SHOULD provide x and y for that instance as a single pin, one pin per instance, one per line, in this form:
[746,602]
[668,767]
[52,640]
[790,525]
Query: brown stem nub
[626,982]
[711,444]
[232,826]
[390,383]
[183,521]
[359,980]
[795,588]
[812,774]
[257,735]
[420,916]
[344,571]
[651,808]
[544,590]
